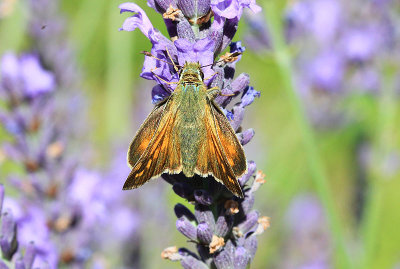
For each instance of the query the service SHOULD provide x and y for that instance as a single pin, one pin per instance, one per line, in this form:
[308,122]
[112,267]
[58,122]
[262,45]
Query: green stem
[283,60]
[383,143]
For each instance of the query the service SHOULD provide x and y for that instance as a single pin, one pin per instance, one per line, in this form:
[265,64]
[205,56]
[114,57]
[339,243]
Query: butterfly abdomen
[191,126]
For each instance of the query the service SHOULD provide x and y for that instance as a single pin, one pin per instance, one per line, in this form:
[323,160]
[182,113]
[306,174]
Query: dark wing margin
[160,154]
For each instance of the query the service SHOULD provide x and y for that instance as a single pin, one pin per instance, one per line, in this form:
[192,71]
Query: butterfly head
[191,73]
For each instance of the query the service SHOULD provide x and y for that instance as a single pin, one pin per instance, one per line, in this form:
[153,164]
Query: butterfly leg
[163,80]
[213,92]
[207,78]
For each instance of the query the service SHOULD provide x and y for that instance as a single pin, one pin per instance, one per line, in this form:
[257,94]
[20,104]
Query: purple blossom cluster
[63,211]
[342,49]
[223,227]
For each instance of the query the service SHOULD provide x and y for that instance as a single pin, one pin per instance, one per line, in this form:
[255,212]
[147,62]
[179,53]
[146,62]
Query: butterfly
[187,132]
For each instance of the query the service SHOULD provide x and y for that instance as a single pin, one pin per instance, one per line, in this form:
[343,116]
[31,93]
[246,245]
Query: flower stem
[384,142]
[315,163]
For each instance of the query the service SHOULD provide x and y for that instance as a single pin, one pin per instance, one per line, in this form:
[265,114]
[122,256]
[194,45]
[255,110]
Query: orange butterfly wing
[154,150]
[221,156]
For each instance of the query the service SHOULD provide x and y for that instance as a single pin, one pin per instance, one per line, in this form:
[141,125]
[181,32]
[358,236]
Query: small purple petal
[158,93]
[184,226]
[234,8]
[139,20]
[248,96]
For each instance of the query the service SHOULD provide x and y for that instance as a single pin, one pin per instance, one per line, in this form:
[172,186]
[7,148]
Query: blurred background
[327,133]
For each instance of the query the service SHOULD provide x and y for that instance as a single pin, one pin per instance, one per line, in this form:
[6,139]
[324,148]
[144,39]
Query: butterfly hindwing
[213,159]
[230,143]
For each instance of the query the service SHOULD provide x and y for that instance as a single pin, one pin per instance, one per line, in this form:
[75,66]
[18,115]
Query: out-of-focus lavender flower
[223,227]
[342,48]
[308,239]
[25,73]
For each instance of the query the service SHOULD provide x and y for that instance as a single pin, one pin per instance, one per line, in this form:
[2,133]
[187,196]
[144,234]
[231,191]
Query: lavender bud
[238,112]
[194,9]
[190,262]
[240,83]
[204,214]
[250,222]
[185,31]
[251,245]
[186,228]
[204,233]
[19,264]
[30,254]
[183,211]
[3,265]
[203,197]
[248,202]
[242,258]
[223,225]
[8,238]
[1,197]
[224,260]
[182,189]
[162,5]
[251,168]
[246,136]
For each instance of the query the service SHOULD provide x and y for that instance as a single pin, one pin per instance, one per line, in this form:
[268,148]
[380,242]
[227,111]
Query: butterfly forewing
[161,154]
[145,133]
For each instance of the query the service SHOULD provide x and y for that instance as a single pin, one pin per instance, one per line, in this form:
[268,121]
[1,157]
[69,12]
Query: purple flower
[233,9]
[326,71]
[27,74]
[138,20]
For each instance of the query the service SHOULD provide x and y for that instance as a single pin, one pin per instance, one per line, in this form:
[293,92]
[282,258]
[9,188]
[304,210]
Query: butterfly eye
[201,75]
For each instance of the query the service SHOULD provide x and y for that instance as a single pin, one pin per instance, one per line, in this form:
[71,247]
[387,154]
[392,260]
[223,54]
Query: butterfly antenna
[228,58]
[169,55]
[146,53]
